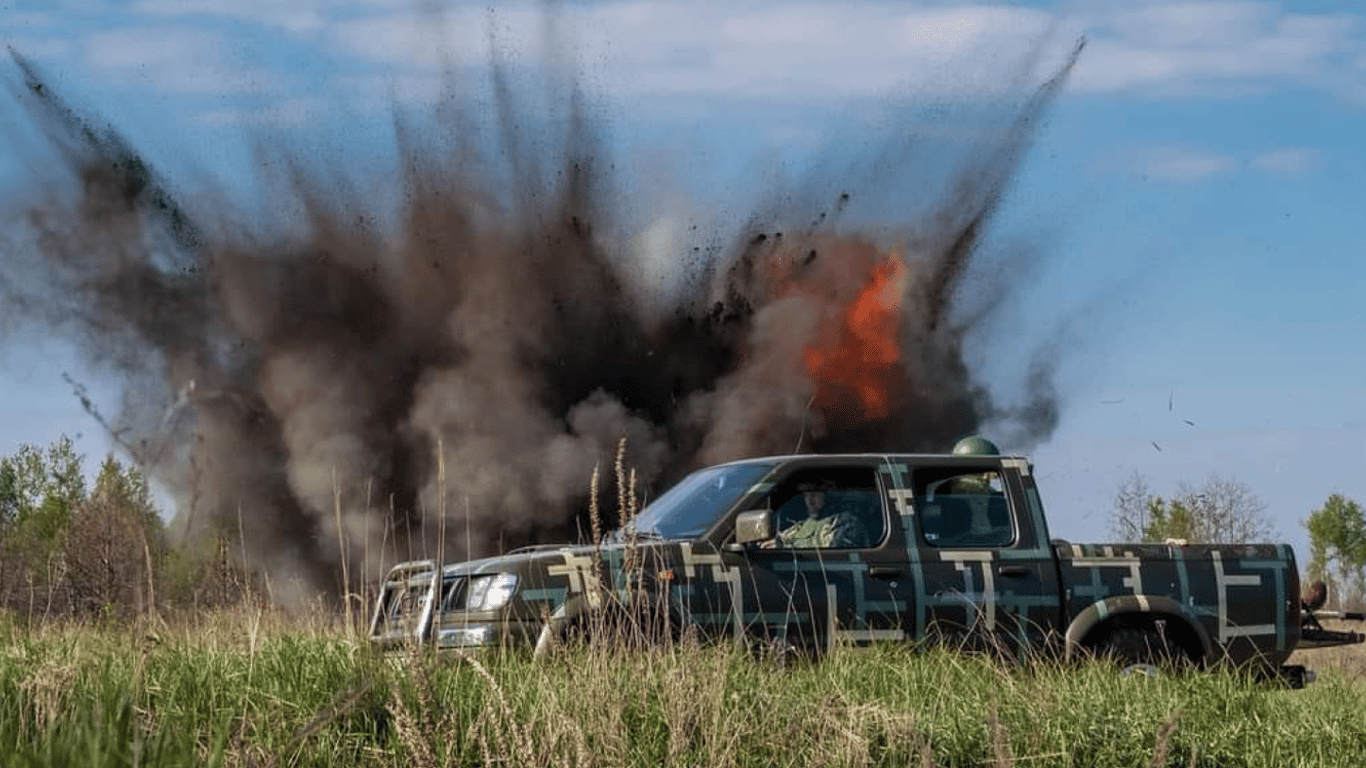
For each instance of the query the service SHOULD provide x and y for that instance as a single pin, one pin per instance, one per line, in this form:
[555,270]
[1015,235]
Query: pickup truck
[906,548]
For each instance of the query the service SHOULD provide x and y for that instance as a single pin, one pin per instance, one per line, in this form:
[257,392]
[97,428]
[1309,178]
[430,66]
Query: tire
[1142,649]
[645,625]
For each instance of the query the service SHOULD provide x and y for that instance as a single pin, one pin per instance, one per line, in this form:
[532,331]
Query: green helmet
[975,445]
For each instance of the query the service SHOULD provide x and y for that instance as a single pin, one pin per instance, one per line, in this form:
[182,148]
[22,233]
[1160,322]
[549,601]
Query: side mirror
[754,525]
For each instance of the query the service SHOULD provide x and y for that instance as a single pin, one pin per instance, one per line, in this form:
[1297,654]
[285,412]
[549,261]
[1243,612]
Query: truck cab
[953,550]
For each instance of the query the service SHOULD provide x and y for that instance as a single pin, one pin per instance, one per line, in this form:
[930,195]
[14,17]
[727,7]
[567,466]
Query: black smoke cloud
[347,391]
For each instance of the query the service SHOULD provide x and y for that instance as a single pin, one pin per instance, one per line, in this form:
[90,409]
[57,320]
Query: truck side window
[836,508]
[965,511]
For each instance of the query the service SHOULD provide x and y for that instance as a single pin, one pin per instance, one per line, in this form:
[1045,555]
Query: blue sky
[1196,190]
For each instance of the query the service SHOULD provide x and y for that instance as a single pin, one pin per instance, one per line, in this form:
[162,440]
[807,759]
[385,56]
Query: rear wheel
[1141,649]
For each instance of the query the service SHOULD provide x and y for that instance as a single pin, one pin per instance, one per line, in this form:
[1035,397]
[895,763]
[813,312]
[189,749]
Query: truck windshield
[695,504]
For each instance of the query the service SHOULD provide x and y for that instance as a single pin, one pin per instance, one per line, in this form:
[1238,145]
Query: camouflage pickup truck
[807,551]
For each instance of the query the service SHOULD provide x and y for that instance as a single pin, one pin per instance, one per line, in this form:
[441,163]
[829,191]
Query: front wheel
[643,625]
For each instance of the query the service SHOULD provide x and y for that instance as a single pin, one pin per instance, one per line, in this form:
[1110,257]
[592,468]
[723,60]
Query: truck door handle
[884,572]
[1013,571]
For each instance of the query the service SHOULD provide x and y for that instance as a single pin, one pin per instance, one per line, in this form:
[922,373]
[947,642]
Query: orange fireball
[854,357]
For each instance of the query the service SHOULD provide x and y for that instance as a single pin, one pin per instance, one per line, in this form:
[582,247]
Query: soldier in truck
[824,524]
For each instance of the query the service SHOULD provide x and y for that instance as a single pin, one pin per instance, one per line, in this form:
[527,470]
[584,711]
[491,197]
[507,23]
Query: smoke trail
[356,392]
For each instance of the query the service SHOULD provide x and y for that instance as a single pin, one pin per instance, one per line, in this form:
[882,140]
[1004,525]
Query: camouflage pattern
[939,562]
[1242,600]
[840,529]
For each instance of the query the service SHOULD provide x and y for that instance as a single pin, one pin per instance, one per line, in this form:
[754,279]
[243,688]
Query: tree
[115,541]
[38,490]
[1337,547]
[63,548]
[1129,518]
[1170,520]
[1220,510]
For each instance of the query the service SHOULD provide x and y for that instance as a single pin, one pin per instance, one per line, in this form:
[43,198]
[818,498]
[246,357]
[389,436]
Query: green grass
[249,689]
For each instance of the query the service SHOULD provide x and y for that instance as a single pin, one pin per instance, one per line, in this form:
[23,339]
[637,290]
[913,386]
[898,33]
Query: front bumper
[466,635]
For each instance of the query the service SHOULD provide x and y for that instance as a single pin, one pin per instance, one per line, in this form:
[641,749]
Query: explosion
[853,360]
[344,392]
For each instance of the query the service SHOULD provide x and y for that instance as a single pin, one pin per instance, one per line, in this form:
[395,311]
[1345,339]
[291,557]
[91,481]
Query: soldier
[824,525]
[974,445]
[981,490]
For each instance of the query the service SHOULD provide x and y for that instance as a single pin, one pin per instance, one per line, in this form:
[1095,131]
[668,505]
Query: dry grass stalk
[554,733]
[594,513]
[412,736]
[580,741]
[441,507]
[1000,744]
[510,722]
[634,498]
[926,752]
[692,693]
[341,545]
[47,688]
[622,504]
[416,667]
[837,737]
[478,733]
[1164,740]
[238,749]
[367,578]
[901,728]
[241,542]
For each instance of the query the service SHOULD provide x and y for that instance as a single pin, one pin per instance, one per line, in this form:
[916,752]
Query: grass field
[251,688]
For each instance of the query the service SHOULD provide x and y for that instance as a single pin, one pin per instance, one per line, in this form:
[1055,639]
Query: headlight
[489,592]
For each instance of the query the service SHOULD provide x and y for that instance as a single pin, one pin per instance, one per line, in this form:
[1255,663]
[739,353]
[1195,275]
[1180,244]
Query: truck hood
[513,560]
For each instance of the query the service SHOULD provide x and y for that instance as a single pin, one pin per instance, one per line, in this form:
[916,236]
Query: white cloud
[795,50]
[1180,165]
[1216,47]
[808,50]
[1288,160]
[411,40]
[294,16]
[176,60]
[805,49]
[1187,165]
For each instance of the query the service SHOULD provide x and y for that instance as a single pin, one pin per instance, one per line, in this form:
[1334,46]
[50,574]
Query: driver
[824,526]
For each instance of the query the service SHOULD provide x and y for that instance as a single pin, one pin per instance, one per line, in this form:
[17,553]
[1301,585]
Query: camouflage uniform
[840,529]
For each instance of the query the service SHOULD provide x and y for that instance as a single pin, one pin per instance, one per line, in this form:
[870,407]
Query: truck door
[986,577]
[827,576]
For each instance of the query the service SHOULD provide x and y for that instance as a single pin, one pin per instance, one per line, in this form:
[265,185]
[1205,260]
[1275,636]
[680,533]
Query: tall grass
[253,688]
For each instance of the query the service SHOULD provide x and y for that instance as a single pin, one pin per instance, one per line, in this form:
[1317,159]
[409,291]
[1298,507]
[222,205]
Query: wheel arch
[1093,622]
[581,608]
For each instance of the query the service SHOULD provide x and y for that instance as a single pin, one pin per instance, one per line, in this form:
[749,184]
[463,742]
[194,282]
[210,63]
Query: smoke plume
[346,391]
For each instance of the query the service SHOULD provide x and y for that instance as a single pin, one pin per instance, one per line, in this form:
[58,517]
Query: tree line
[72,549]
[1225,510]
